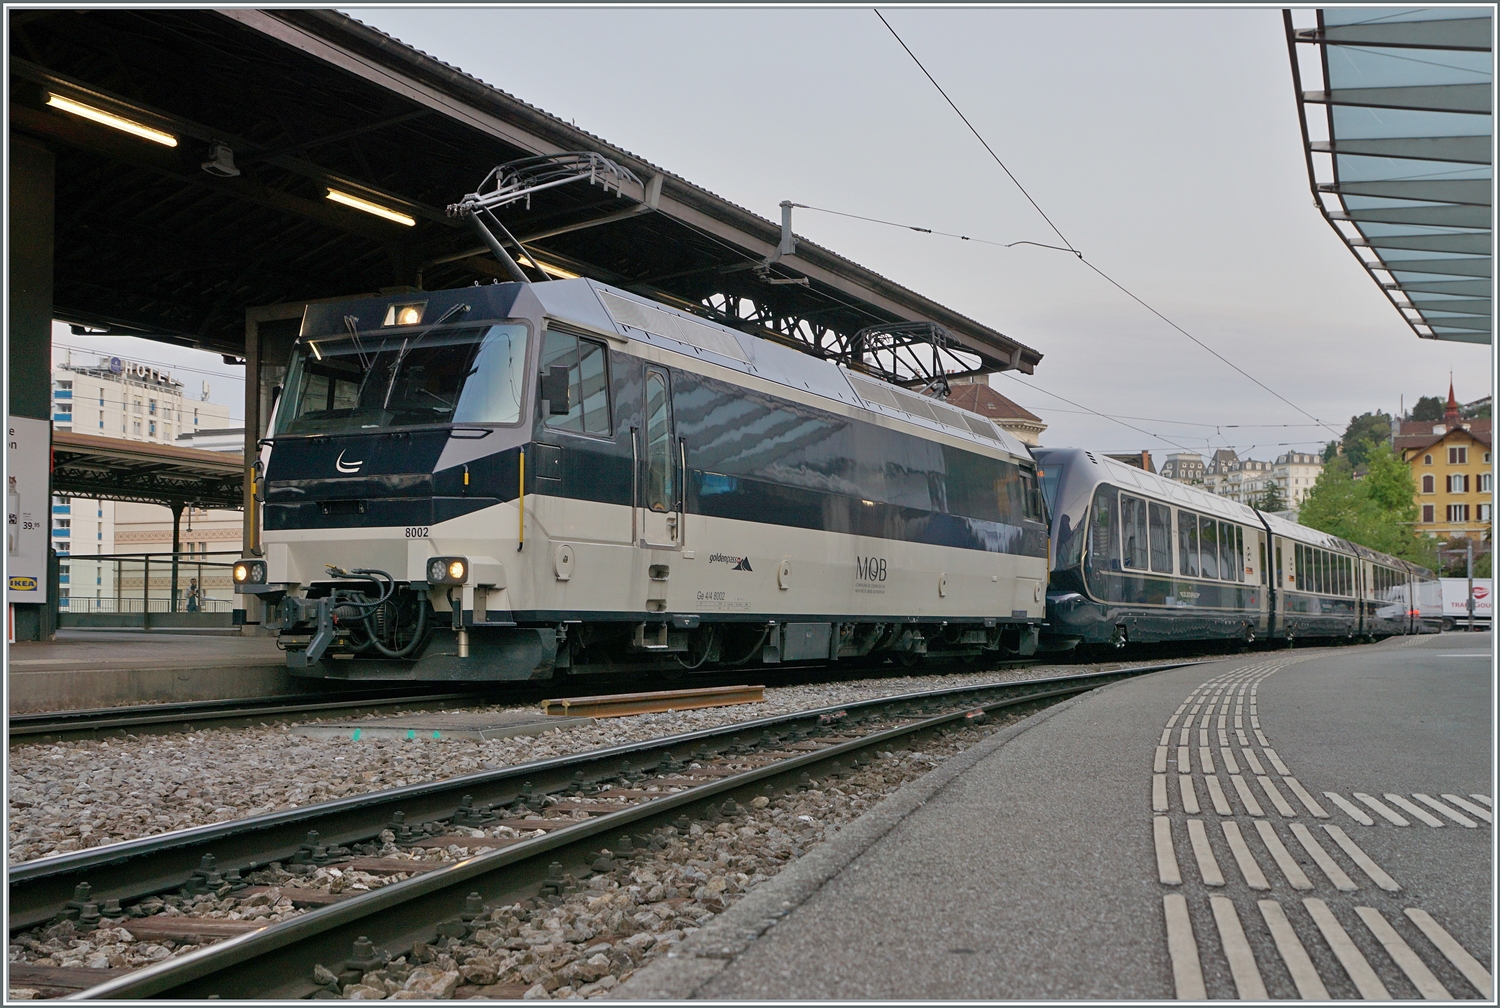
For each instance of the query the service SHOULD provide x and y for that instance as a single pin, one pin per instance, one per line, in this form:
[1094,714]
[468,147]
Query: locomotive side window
[1208,547]
[1187,542]
[1031,497]
[1161,538]
[1133,531]
[660,484]
[588,381]
[1104,538]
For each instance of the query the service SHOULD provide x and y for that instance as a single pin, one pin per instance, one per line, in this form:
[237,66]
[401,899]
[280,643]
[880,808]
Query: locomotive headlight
[447,570]
[249,572]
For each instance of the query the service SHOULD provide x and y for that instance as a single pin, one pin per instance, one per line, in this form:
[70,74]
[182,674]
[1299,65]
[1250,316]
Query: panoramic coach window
[659,483]
[1161,538]
[588,381]
[1133,529]
[1208,547]
[347,384]
[1104,541]
[1231,552]
[1187,542]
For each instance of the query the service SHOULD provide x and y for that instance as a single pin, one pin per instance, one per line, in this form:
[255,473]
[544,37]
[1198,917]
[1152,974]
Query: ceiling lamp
[370,208]
[111,120]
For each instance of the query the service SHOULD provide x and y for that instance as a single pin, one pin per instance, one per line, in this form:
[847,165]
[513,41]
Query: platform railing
[128,589]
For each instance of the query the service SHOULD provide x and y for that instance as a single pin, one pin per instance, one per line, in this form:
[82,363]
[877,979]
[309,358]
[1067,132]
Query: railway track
[159,719]
[277,961]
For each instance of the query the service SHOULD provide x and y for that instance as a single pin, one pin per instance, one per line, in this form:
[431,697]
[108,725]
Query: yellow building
[1451,466]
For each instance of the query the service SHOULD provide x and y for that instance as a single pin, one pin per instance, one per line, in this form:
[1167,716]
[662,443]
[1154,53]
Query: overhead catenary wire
[1103,416]
[1071,248]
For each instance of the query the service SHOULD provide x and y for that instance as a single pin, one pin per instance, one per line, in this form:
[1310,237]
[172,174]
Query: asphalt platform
[1272,825]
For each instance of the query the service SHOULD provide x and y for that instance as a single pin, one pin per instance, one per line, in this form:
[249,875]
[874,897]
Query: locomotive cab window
[588,382]
[350,384]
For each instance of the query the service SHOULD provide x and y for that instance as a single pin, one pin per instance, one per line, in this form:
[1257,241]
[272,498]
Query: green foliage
[1377,511]
[1363,434]
[1481,412]
[1390,485]
[1482,566]
[1271,500]
[1429,407]
[1330,451]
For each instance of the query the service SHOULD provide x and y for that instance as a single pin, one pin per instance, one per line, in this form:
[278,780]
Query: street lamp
[1469,566]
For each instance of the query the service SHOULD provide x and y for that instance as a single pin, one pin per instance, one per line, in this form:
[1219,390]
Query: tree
[1362,435]
[1330,451]
[1391,486]
[1429,408]
[1272,500]
[1338,505]
[1378,511]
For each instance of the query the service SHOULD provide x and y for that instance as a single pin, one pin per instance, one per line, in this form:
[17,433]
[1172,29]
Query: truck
[1455,602]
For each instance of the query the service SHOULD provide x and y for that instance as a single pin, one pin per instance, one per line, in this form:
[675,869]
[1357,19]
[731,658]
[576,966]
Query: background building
[111,397]
[1247,480]
[1451,467]
[1184,467]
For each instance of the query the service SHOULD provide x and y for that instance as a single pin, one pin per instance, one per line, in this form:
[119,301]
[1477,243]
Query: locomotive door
[659,499]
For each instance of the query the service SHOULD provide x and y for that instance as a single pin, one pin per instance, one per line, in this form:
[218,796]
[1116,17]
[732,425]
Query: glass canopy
[1396,110]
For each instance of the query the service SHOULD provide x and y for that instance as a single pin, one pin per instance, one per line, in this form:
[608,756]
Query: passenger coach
[498,482]
[1136,557]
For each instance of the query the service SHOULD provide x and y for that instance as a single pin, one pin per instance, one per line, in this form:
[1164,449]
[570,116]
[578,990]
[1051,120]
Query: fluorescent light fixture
[314,347]
[370,208]
[556,271]
[111,120]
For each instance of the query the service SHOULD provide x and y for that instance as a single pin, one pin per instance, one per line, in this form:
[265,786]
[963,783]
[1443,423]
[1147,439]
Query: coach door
[659,480]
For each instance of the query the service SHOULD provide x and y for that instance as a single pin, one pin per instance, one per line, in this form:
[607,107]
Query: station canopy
[110,468]
[283,156]
[1396,107]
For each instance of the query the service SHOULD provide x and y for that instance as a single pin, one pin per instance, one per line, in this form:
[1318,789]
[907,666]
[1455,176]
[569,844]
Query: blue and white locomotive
[502,482]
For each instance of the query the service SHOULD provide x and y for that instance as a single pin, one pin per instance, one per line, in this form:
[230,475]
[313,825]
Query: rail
[279,960]
[158,719]
[138,868]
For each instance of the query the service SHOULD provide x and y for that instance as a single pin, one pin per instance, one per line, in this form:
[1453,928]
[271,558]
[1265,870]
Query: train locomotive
[1139,558]
[520,480]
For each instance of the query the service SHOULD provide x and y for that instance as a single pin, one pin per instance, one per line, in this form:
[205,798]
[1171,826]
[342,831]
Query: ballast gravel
[67,796]
[578,941]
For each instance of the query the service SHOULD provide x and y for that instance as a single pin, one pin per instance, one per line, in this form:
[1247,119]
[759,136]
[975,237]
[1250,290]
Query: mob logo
[869,568]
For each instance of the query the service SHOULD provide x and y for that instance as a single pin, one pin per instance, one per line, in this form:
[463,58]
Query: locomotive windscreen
[360,382]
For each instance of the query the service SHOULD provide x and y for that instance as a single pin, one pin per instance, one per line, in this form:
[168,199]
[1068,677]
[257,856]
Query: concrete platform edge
[31,691]
[705,953]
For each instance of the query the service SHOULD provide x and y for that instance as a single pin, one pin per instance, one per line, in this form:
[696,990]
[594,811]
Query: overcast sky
[1163,143]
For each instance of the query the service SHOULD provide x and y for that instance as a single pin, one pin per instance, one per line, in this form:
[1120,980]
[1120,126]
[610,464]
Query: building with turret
[1451,467]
